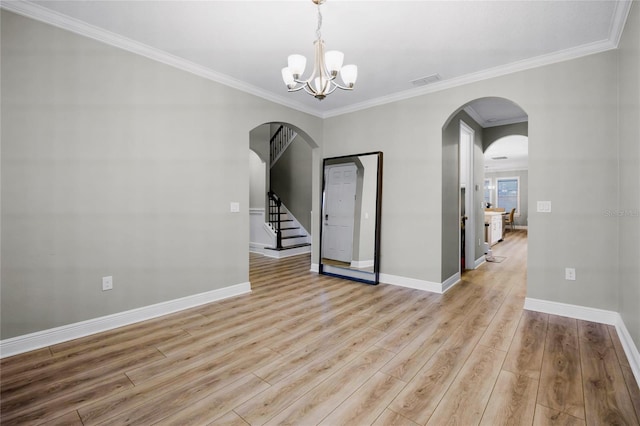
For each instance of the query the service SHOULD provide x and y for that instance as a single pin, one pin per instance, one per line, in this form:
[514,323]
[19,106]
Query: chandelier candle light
[326,68]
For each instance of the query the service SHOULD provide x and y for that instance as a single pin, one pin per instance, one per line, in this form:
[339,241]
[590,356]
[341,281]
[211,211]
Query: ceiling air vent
[499,158]
[423,81]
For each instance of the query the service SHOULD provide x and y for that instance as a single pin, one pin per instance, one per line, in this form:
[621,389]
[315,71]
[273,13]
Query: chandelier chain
[319,22]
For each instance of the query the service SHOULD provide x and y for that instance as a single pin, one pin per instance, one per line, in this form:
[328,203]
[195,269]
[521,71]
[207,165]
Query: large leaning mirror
[351,202]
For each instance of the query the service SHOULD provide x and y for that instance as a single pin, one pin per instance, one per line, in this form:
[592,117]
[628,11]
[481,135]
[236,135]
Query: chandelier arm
[295,89]
[339,86]
[310,90]
[332,87]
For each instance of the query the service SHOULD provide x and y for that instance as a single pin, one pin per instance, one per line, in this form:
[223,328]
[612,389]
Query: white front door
[339,210]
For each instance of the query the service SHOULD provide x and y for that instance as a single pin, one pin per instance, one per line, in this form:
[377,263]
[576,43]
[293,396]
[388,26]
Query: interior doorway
[466,134]
[467,183]
[280,190]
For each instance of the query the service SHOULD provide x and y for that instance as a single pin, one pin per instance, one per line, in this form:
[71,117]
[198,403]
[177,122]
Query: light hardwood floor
[305,349]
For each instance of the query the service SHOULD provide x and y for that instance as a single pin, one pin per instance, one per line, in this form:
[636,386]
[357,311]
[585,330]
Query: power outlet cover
[107,283]
[570,274]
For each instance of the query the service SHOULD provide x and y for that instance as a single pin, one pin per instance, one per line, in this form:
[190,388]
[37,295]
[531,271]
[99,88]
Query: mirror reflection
[350,232]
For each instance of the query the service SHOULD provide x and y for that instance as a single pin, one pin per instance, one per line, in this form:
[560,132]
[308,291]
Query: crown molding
[39,13]
[42,14]
[486,124]
[620,14]
[523,65]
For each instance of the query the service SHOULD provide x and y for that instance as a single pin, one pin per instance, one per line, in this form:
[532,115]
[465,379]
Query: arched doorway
[281,164]
[487,120]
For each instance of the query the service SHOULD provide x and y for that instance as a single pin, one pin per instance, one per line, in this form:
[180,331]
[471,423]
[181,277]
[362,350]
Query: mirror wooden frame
[354,270]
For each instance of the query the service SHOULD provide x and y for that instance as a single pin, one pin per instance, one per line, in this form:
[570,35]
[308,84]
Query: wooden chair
[509,219]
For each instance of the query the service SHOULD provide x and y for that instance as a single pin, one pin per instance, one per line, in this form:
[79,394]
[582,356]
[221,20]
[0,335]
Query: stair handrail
[279,142]
[275,205]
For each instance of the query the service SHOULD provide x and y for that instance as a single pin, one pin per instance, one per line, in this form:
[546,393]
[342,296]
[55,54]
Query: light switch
[544,207]
[235,207]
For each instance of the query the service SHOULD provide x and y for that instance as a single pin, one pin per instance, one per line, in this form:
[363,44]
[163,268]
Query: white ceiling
[245,43]
[508,153]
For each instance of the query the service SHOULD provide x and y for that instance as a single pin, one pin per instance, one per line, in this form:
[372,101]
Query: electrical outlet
[570,274]
[544,207]
[234,207]
[107,283]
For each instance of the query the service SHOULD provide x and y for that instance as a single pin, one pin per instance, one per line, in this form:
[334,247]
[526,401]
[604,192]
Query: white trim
[594,315]
[286,252]
[620,15]
[52,336]
[48,16]
[258,248]
[362,264]
[450,282]
[411,283]
[479,261]
[630,349]
[526,64]
[470,225]
[34,11]
[486,124]
[315,268]
[572,311]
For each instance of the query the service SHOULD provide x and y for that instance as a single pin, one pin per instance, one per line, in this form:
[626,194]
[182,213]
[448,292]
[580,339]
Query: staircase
[279,142]
[290,237]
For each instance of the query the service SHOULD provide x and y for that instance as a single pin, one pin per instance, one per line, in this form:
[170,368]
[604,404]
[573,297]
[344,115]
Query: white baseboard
[315,268]
[40,339]
[281,254]
[594,315]
[572,311]
[360,264]
[479,261]
[257,248]
[411,283]
[630,349]
[451,281]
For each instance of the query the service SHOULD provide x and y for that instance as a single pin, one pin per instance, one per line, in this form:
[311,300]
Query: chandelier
[326,68]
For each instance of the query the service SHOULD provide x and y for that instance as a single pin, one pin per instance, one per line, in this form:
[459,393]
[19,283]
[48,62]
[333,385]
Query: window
[508,192]
[488,199]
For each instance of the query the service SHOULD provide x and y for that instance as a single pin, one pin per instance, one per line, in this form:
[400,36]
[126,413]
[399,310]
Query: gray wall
[257,179]
[572,108]
[523,219]
[628,209]
[492,134]
[113,164]
[291,180]
[450,197]
[259,144]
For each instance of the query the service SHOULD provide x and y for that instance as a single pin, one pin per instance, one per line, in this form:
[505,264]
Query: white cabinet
[494,230]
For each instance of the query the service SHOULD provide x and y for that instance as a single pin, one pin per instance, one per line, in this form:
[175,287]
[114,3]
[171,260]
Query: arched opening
[466,135]
[506,178]
[280,195]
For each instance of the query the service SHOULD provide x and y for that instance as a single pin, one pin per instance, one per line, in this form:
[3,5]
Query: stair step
[293,236]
